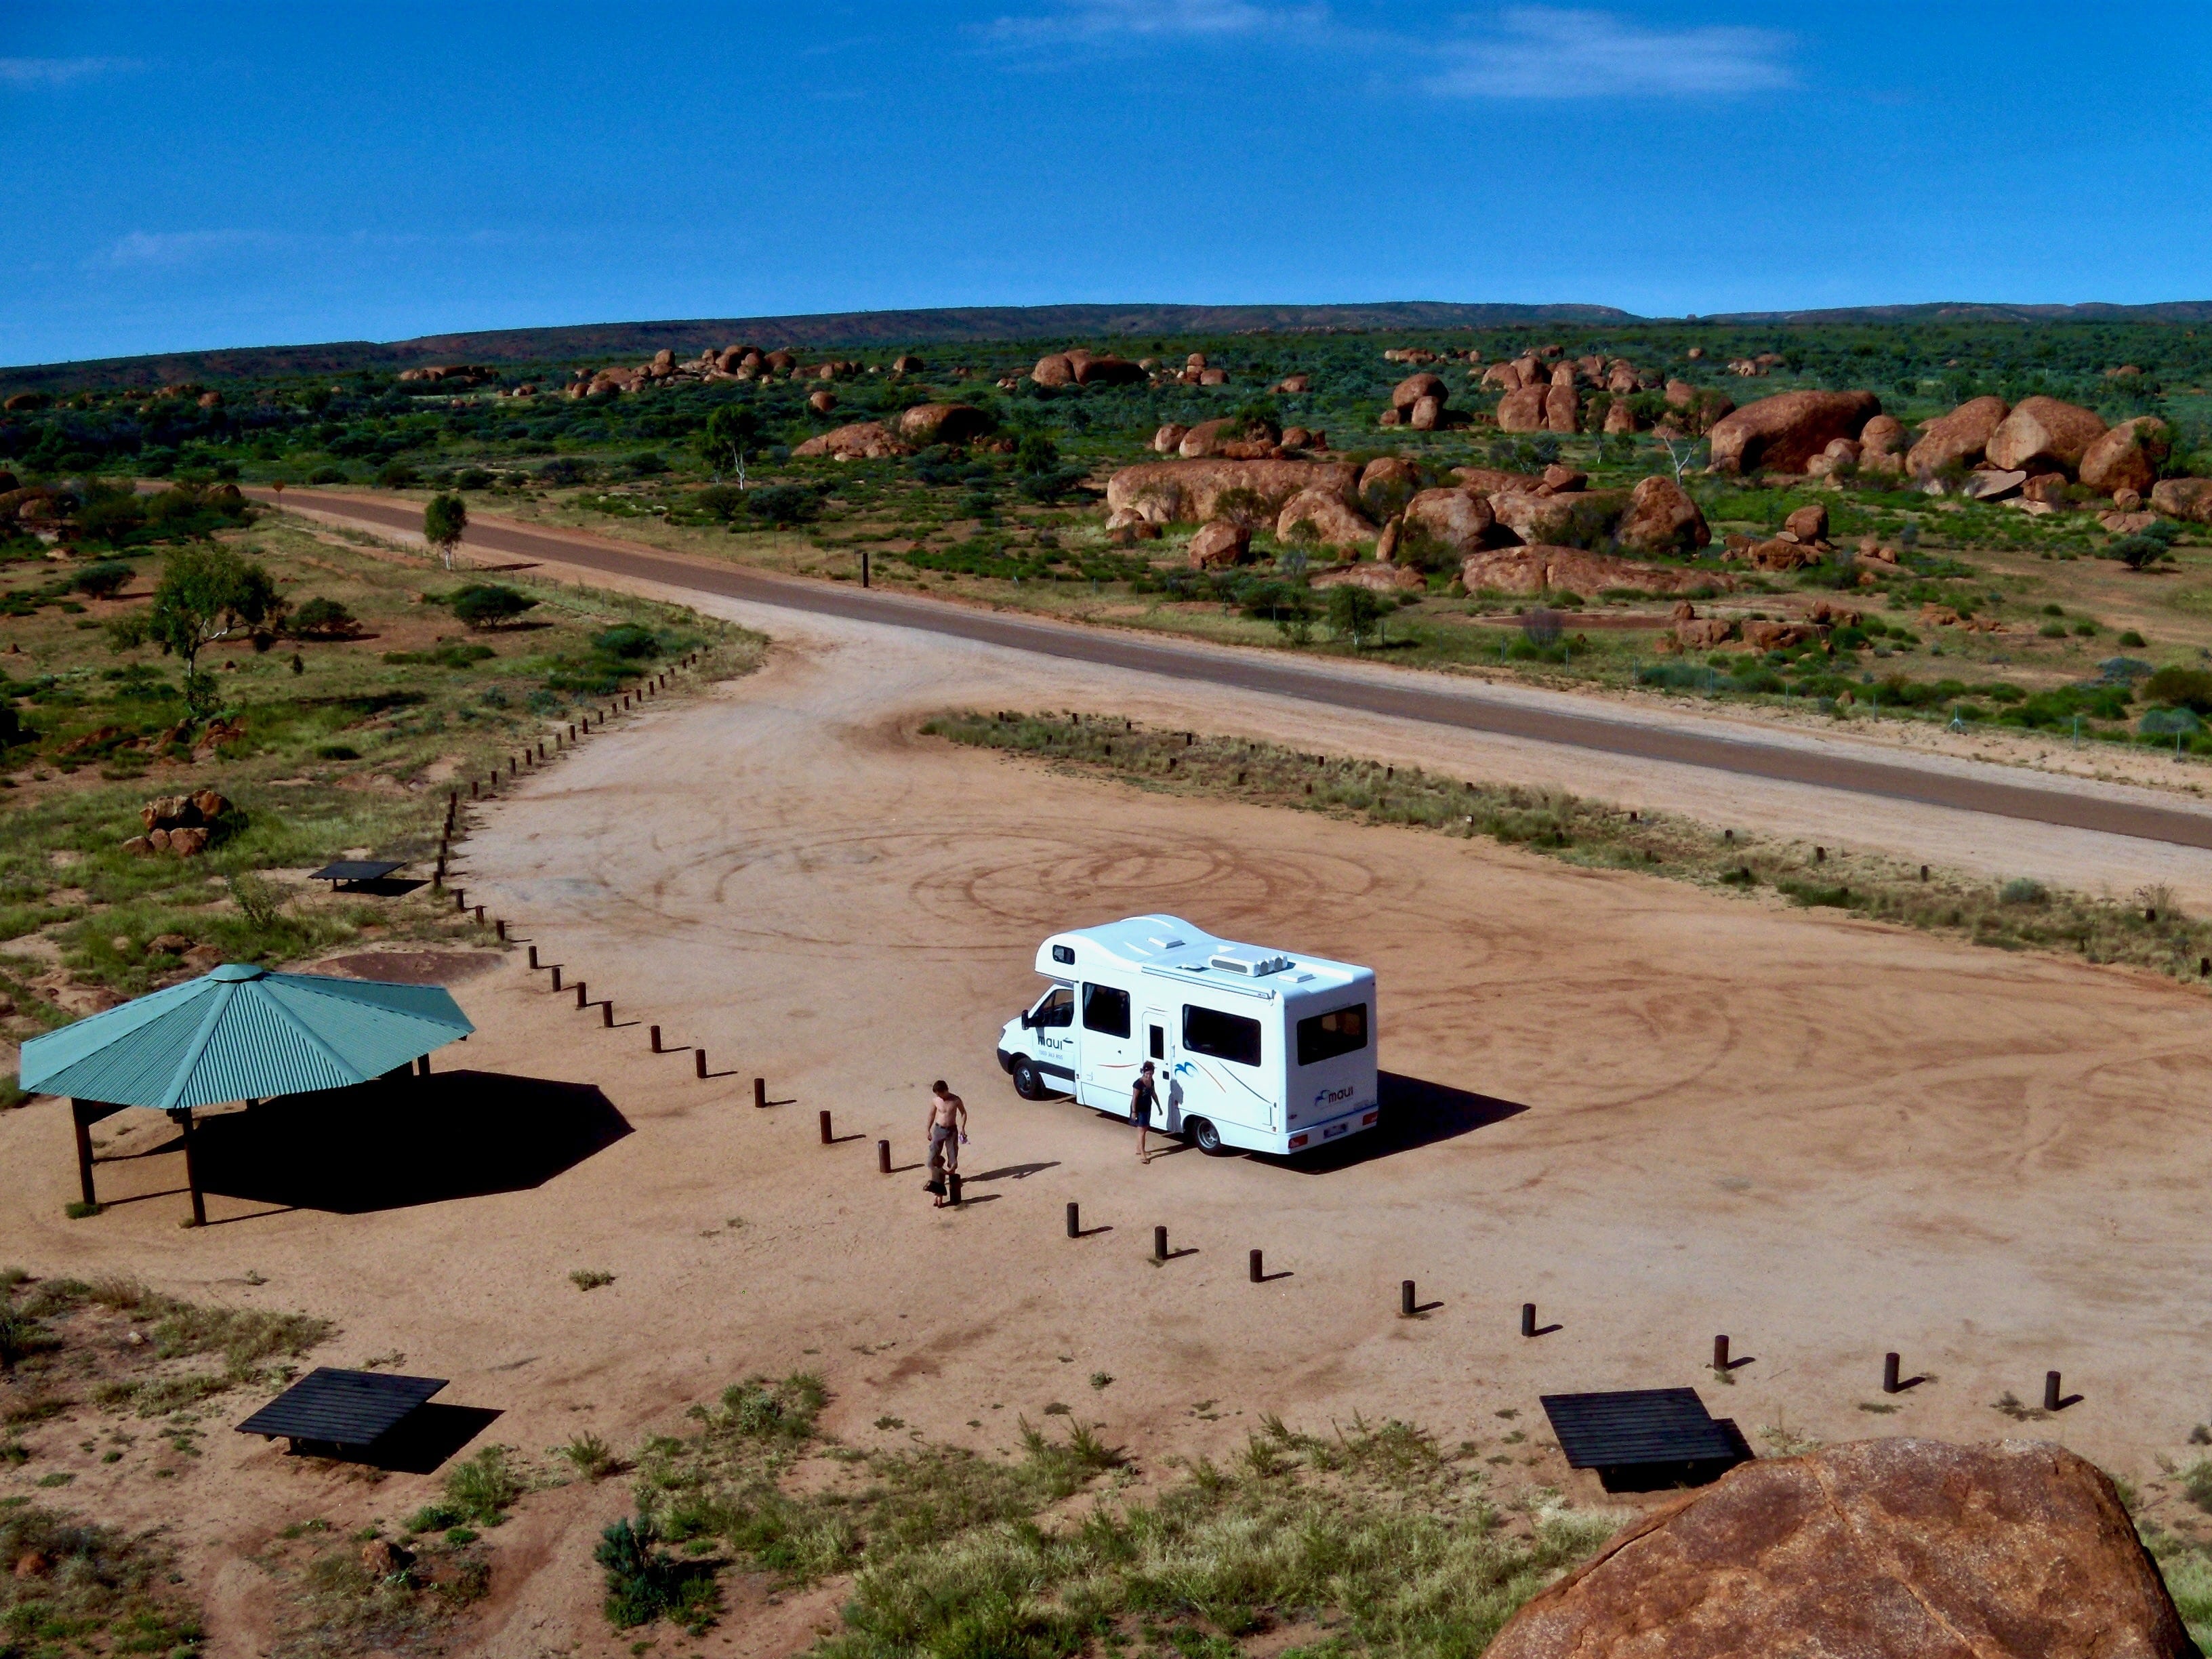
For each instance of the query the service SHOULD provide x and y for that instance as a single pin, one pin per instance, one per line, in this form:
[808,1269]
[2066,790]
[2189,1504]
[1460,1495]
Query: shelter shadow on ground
[422,1140]
[1415,1112]
[430,1435]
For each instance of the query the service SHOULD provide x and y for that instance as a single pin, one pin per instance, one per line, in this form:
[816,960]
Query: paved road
[1415,699]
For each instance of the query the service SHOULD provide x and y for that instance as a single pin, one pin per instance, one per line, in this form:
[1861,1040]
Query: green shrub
[488,605]
[627,640]
[2180,688]
[322,618]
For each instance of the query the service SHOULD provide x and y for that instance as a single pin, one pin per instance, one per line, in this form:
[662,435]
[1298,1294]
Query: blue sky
[178,177]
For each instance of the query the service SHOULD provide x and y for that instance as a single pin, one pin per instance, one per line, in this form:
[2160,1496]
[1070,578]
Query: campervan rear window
[1224,1036]
[1106,1010]
[1339,1031]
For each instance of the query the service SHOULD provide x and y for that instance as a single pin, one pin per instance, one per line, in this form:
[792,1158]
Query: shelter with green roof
[239,1033]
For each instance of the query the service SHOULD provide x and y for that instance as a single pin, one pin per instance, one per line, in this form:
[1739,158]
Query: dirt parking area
[1658,1113]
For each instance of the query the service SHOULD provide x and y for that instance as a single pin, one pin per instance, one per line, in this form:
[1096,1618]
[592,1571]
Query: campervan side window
[1057,1009]
[1224,1036]
[1339,1031]
[1106,1010]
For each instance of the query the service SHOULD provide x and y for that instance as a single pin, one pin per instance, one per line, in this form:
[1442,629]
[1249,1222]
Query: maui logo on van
[1333,1097]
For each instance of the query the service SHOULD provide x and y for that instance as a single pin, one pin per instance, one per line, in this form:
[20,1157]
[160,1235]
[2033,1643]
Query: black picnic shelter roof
[1634,1434]
[332,1407]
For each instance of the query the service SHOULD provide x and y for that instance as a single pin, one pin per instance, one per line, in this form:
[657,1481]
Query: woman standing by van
[1142,1096]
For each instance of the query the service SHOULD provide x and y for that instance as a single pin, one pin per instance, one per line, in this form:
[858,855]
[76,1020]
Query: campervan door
[1227,1060]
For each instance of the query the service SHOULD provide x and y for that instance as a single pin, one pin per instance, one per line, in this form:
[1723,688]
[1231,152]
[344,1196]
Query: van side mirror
[1025,1019]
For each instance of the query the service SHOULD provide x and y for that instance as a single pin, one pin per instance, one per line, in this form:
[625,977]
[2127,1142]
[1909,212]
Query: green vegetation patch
[2150,931]
[76,1587]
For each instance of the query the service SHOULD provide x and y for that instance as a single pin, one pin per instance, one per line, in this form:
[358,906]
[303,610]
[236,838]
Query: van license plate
[1331,1132]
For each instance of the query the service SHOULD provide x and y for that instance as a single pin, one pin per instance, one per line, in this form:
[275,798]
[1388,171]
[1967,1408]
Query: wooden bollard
[1074,1219]
[1258,1272]
[952,1187]
[472,788]
[1889,1383]
[557,976]
[1720,1353]
[479,918]
[1159,1243]
[534,955]
[2050,1391]
[826,1136]
[1820,856]
[499,929]
[579,994]
[656,1039]
[1527,1319]
[1404,1298]
[1923,872]
[760,1092]
[607,1012]
[699,1062]
[883,1158]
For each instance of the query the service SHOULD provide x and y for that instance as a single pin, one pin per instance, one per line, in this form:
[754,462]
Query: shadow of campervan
[1413,1113]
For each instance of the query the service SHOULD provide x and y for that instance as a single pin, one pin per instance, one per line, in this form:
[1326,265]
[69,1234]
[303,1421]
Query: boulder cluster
[917,428]
[1077,367]
[180,826]
[1516,532]
[1417,401]
[457,374]
[733,362]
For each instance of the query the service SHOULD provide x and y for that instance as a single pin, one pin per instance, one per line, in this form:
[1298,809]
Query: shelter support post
[83,1121]
[183,1120]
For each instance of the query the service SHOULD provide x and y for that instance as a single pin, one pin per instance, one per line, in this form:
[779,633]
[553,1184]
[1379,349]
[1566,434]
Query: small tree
[487,605]
[444,520]
[732,432]
[205,594]
[1352,610]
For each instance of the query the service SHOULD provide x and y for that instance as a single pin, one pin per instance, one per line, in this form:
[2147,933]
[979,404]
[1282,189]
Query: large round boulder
[1662,518]
[2042,435]
[1321,515]
[867,440]
[1379,578]
[1220,542]
[1572,518]
[943,424]
[1387,484]
[1542,568]
[1523,408]
[1563,408]
[1053,370]
[1168,439]
[2182,498]
[2127,457]
[1106,371]
[1881,1549]
[1957,438]
[1415,387]
[1445,523]
[1251,492]
[1782,433]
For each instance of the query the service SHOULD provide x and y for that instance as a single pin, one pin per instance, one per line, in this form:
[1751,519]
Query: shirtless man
[948,1128]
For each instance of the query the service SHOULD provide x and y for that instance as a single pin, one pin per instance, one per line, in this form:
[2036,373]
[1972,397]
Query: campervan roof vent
[1254,965]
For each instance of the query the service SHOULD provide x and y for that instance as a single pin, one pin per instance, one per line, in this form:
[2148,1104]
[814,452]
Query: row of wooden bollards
[535,755]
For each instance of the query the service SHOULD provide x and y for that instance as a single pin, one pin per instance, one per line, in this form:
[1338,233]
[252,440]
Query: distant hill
[1967,311]
[970,325]
[876,329]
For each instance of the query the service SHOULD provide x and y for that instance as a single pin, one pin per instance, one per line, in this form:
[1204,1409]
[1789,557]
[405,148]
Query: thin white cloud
[1540,51]
[180,248]
[1100,22]
[58,71]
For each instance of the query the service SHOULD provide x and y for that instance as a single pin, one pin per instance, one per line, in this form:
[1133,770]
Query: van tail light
[1297,1141]
[1368,1121]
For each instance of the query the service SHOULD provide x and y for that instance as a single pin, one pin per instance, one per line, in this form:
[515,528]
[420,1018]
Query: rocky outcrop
[2127,457]
[1882,445]
[1230,437]
[1573,518]
[1881,1549]
[943,424]
[822,401]
[1489,480]
[865,440]
[1168,441]
[1445,523]
[1220,542]
[1054,369]
[2182,498]
[1320,513]
[1251,492]
[1542,569]
[180,826]
[2042,435]
[1662,519]
[1563,409]
[1415,387]
[1781,433]
[1292,384]
[1523,408]
[1806,524]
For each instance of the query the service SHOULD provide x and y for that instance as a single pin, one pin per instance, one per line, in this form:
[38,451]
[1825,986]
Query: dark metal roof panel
[346,1408]
[355,870]
[1636,1426]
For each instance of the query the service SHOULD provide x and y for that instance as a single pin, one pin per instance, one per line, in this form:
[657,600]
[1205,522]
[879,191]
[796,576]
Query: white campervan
[1250,1048]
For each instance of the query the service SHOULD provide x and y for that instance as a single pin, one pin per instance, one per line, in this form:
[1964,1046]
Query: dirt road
[1663,741]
